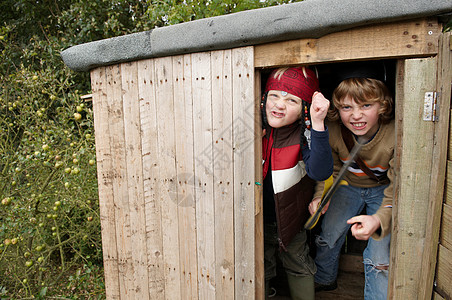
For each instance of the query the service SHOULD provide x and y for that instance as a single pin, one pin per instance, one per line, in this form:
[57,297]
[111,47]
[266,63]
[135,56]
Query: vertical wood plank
[444,271]
[167,170]
[244,166]
[400,72]
[448,193]
[151,182]
[414,178]
[443,87]
[120,192]
[258,197]
[185,194]
[205,208]
[446,227]
[449,156]
[222,121]
[105,182]
[132,130]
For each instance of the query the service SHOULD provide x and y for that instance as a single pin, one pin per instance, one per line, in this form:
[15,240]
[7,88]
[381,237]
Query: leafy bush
[48,188]
[50,235]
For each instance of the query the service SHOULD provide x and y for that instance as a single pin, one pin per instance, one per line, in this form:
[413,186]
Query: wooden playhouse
[178,138]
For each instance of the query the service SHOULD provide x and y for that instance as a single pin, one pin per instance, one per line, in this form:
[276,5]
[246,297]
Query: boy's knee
[376,266]
[322,242]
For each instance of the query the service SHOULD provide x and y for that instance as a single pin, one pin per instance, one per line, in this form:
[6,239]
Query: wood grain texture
[152,206]
[185,181]
[439,159]
[223,170]
[244,159]
[444,272]
[414,177]
[105,182]
[405,39]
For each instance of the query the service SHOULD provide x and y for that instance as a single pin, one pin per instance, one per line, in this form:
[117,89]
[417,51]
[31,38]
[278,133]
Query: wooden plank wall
[176,155]
[443,277]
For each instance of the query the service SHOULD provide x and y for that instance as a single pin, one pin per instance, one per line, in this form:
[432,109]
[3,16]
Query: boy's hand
[315,203]
[364,226]
[319,108]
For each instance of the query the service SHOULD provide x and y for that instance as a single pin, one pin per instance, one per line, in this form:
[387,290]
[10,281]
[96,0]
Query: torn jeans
[349,201]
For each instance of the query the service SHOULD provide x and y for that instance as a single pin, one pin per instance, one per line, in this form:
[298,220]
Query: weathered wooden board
[120,183]
[446,227]
[244,158]
[414,78]
[149,145]
[167,170]
[184,196]
[132,134]
[439,159]
[203,148]
[449,157]
[259,218]
[444,271]
[404,39]
[105,182]
[448,183]
[223,162]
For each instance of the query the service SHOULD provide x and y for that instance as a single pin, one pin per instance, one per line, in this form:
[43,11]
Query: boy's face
[282,108]
[360,119]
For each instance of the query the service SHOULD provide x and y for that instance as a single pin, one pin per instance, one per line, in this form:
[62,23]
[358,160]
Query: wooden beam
[415,78]
[259,215]
[438,174]
[404,39]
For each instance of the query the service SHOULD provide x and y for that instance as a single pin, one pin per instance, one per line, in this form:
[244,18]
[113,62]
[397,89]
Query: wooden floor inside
[350,282]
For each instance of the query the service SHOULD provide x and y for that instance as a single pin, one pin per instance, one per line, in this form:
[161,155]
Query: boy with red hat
[296,152]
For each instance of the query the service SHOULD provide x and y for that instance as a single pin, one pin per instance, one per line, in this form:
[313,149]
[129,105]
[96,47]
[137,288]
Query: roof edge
[306,19]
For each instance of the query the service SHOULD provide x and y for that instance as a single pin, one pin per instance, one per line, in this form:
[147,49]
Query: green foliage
[50,235]
[170,12]
[48,185]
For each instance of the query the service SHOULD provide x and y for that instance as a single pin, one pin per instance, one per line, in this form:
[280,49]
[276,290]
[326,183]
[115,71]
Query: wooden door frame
[429,49]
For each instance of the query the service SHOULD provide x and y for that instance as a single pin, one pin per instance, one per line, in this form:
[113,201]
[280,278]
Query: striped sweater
[378,155]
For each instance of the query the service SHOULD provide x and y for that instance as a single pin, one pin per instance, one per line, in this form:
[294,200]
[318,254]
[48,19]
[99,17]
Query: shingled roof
[306,19]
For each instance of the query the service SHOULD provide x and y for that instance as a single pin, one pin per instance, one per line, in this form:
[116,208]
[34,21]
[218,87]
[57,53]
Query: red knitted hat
[293,81]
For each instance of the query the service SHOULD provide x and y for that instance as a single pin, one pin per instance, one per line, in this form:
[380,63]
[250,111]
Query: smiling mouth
[359,125]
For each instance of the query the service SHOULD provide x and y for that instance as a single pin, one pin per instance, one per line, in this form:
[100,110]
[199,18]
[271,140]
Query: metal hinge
[430,110]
